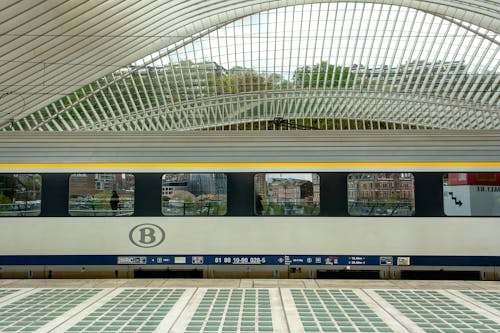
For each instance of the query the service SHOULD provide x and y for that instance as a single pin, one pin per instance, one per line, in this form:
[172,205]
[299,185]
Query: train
[416,204]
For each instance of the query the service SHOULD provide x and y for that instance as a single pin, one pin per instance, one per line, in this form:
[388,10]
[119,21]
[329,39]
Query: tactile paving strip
[37,309]
[488,297]
[233,310]
[224,310]
[324,310]
[434,312]
[7,292]
[132,310]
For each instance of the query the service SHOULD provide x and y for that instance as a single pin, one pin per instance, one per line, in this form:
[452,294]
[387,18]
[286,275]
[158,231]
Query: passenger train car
[284,204]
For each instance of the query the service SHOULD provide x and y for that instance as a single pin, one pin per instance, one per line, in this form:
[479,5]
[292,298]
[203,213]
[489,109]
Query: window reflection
[194,194]
[20,194]
[471,194]
[287,194]
[101,194]
[381,194]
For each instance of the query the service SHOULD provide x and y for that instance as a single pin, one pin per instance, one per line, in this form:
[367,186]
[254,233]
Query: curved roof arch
[51,49]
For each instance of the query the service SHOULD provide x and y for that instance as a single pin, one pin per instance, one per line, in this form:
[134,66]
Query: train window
[381,194]
[194,194]
[471,194]
[20,194]
[101,194]
[286,194]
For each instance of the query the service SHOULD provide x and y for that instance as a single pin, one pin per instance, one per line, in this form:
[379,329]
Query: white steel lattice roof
[253,65]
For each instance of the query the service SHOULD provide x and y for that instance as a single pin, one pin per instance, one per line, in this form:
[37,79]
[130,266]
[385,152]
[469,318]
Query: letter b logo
[147,235]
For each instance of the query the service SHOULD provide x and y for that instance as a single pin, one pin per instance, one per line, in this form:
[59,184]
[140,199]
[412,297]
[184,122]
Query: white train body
[240,243]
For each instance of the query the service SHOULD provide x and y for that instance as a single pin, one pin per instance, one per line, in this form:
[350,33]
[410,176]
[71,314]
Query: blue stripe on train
[223,259]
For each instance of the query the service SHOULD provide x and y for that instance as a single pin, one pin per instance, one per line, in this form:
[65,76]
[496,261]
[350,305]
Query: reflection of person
[258,205]
[114,201]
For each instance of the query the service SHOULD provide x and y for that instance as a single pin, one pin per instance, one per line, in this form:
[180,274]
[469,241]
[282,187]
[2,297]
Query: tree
[322,75]
[241,79]
[8,186]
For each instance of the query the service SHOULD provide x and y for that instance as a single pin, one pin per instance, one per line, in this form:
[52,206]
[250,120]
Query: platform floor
[246,305]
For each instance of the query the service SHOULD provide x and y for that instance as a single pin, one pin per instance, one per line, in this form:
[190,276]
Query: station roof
[255,64]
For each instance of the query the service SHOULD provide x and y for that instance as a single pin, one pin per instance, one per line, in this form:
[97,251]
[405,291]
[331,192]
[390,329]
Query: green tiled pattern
[323,310]
[436,313]
[6,292]
[488,297]
[35,310]
[132,310]
[233,310]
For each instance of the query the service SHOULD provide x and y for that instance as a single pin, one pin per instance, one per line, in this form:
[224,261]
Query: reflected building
[201,183]
[220,181]
[91,184]
[105,181]
[172,182]
[260,184]
[290,190]
[316,188]
[381,187]
[81,184]
[197,184]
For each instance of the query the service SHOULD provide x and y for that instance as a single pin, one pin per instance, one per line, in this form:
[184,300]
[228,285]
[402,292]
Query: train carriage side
[293,205]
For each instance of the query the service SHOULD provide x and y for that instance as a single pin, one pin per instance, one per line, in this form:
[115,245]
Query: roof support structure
[168,65]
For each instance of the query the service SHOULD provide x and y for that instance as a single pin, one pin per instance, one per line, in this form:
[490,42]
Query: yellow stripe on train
[145,165]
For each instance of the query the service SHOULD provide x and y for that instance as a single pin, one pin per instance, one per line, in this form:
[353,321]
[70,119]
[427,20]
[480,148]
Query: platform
[205,305]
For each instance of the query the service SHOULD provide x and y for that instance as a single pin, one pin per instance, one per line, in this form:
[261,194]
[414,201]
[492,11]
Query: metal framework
[264,65]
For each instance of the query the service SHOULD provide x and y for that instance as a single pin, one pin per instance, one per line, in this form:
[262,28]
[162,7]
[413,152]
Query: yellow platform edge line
[243,164]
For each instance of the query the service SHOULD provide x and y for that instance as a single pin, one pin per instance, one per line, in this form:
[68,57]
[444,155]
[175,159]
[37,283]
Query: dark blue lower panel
[331,260]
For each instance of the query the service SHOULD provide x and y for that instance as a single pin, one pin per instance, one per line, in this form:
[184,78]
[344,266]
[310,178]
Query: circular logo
[147,235]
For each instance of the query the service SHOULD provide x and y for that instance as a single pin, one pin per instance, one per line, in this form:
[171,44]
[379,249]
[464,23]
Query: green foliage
[156,87]
[323,75]
[8,185]
[4,199]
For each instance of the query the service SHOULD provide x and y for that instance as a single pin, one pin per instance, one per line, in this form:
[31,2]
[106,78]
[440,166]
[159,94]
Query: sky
[281,40]
[284,175]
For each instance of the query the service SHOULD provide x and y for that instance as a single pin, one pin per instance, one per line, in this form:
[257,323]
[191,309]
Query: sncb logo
[147,235]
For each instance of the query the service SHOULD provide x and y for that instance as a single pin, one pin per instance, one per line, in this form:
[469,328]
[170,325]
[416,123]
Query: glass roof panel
[328,66]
